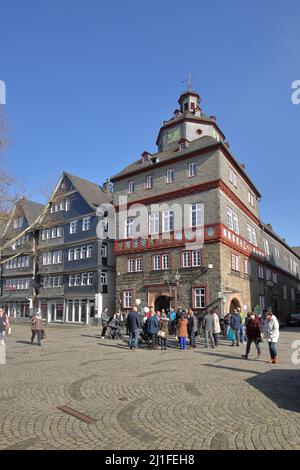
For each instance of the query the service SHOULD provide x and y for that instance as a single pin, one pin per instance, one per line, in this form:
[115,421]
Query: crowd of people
[154,328]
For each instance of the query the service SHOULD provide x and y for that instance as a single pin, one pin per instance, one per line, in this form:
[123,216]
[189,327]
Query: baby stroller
[114,329]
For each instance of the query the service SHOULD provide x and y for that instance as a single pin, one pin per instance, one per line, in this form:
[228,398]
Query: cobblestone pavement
[198,399]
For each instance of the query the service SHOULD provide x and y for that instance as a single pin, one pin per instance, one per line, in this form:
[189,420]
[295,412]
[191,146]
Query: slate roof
[32,210]
[91,192]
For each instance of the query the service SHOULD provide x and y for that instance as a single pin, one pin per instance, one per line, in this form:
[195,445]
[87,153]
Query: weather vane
[189,81]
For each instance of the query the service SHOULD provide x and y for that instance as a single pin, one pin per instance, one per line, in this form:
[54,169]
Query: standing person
[207,325]
[216,328]
[235,323]
[227,319]
[104,321]
[192,328]
[182,331]
[152,329]
[271,332]
[134,327]
[164,327]
[242,327]
[253,332]
[172,322]
[3,325]
[37,326]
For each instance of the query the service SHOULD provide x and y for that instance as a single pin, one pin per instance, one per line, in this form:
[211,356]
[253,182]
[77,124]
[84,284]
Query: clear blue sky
[89,83]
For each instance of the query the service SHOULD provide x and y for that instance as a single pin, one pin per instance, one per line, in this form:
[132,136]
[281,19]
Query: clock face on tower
[172,135]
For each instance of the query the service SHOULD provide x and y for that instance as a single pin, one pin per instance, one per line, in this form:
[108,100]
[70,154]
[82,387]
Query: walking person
[192,328]
[207,325]
[216,327]
[104,321]
[235,323]
[253,332]
[152,329]
[182,331]
[134,327]
[164,329]
[271,332]
[37,326]
[3,326]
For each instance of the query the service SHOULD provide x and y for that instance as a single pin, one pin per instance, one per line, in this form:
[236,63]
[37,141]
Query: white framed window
[77,279]
[71,280]
[153,223]
[131,187]
[76,253]
[90,279]
[251,198]
[199,297]
[170,176]
[103,278]
[284,291]
[67,205]
[73,226]
[261,272]
[293,294]
[129,228]
[251,233]
[54,232]
[267,247]
[232,221]
[127,299]
[55,257]
[86,224]
[196,258]
[196,215]
[168,221]
[89,251]
[186,259]
[103,251]
[274,278]
[59,232]
[165,261]
[83,252]
[139,264]
[149,182]
[262,302]
[84,279]
[19,222]
[277,252]
[247,267]
[71,254]
[232,177]
[62,206]
[235,262]
[192,168]
[268,275]
[131,265]
[156,263]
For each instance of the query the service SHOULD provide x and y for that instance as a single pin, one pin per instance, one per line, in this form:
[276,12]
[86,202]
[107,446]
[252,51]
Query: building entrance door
[55,312]
[234,305]
[162,303]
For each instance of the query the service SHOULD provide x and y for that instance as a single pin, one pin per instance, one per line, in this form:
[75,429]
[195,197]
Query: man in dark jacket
[235,323]
[152,329]
[192,328]
[134,327]
[207,325]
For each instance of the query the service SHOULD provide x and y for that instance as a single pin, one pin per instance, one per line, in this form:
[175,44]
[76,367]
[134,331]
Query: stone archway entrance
[234,305]
[162,303]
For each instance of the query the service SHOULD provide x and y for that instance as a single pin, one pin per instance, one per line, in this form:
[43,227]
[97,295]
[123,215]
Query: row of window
[54,232]
[21,241]
[80,253]
[60,206]
[162,261]
[198,298]
[17,284]
[232,177]
[18,222]
[85,225]
[18,262]
[52,281]
[86,279]
[52,257]
[166,220]
[170,177]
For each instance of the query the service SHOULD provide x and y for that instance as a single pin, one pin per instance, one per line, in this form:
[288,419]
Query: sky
[89,83]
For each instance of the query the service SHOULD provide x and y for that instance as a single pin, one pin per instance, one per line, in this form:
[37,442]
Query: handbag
[161,334]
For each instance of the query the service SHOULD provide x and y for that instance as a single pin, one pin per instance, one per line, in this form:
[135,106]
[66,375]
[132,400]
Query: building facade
[194,187]
[72,271]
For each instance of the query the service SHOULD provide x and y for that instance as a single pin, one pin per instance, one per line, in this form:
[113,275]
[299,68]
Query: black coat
[133,321]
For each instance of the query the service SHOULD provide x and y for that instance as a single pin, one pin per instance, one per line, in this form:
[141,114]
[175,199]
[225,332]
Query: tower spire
[189,81]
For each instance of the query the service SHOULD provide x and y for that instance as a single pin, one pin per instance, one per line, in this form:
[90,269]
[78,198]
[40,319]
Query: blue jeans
[273,350]
[133,338]
[182,342]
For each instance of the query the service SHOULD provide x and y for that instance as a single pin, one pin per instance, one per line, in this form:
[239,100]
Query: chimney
[243,166]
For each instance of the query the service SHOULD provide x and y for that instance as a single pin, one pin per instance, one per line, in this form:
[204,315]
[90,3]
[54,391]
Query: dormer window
[183,144]
[18,222]
[154,160]
[145,156]
[131,187]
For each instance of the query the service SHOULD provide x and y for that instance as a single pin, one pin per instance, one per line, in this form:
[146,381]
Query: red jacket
[253,330]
